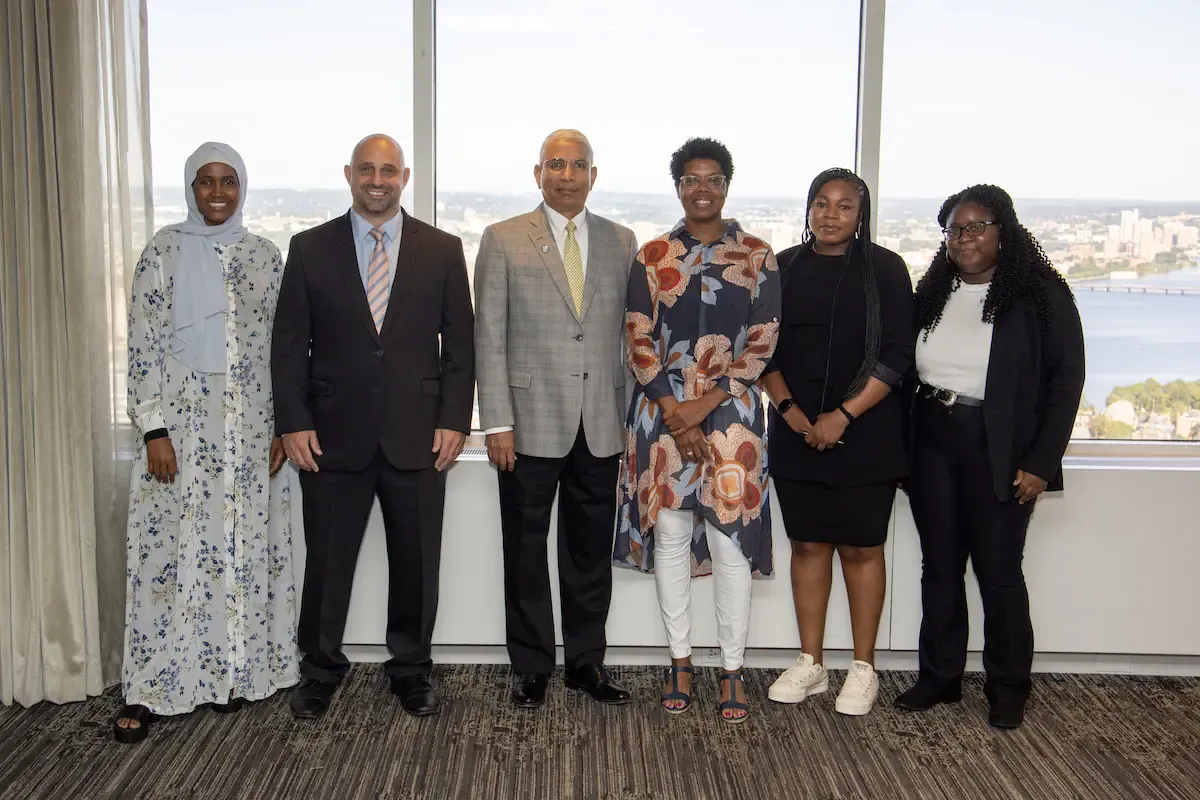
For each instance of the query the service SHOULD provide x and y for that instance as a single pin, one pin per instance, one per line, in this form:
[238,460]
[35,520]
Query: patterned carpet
[1115,738]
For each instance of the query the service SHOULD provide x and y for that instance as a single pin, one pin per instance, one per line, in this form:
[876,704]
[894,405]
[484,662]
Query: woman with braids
[1000,371]
[837,429]
[701,318]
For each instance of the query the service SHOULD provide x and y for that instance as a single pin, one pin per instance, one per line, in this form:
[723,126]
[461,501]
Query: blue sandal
[672,672]
[731,704]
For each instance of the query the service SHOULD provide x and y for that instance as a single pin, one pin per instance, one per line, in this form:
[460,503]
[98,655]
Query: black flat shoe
[1006,715]
[417,695]
[232,707]
[595,680]
[312,698]
[530,690]
[924,695]
[139,714]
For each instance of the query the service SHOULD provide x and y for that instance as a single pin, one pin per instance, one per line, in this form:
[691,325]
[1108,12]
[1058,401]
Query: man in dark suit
[370,404]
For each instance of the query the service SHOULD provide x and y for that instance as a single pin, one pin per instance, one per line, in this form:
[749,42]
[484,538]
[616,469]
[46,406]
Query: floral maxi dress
[210,610]
[699,316]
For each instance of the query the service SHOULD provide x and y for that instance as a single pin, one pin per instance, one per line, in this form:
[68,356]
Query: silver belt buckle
[947,397]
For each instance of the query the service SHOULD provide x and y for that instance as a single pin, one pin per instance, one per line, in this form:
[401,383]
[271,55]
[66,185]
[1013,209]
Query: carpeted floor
[1115,738]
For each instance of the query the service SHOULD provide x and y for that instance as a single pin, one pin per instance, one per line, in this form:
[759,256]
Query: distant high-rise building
[1187,236]
[1112,243]
[1169,231]
[1129,226]
[1149,247]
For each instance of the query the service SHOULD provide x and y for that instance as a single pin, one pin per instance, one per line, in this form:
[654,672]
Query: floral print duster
[699,316]
[210,611]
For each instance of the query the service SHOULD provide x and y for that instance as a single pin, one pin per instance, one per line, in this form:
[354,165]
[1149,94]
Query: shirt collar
[680,231]
[362,228]
[558,222]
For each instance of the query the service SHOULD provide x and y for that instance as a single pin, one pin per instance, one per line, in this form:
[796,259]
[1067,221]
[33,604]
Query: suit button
[585,376]
[378,352]
[579,337]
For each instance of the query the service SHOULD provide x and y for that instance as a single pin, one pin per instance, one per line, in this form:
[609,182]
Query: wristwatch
[784,406]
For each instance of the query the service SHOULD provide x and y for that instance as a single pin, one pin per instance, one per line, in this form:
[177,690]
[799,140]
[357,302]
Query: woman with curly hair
[701,318]
[1000,371]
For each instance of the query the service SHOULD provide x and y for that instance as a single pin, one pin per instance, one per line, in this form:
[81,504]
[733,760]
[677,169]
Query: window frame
[872,31]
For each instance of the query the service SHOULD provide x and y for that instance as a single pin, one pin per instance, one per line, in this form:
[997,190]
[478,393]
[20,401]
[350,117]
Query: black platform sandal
[233,706]
[139,714]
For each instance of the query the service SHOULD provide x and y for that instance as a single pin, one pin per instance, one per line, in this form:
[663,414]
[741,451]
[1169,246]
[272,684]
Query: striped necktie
[377,279]
[573,261]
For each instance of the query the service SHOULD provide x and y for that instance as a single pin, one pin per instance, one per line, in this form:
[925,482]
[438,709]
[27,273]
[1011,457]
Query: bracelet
[849,417]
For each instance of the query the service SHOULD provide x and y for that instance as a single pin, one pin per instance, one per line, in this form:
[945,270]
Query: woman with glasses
[702,315]
[837,431]
[1000,371]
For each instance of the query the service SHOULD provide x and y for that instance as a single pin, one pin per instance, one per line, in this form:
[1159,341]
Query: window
[1080,111]
[776,81]
[291,84]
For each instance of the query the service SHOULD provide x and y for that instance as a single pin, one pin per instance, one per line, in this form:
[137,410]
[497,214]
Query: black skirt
[857,516]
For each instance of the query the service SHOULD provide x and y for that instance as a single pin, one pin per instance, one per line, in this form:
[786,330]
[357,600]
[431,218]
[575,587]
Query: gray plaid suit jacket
[541,367]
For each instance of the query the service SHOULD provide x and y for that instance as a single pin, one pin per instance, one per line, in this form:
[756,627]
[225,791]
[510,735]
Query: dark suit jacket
[1034,382]
[363,390]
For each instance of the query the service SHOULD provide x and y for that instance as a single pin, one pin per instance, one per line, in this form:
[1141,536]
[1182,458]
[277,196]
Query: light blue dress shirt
[364,244]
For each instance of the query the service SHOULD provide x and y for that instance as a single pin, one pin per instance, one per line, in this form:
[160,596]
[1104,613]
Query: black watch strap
[849,417]
[157,433]
[785,406]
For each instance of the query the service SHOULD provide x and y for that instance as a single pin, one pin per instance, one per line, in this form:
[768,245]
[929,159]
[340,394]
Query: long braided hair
[863,244]
[1022,267]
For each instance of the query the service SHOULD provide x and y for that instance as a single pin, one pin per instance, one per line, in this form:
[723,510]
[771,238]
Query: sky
[1057,98]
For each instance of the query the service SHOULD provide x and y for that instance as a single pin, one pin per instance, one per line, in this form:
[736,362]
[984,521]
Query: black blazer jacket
[362,390]
[1034,382]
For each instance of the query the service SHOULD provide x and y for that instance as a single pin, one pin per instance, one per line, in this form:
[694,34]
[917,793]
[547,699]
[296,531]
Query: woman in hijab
[210,604]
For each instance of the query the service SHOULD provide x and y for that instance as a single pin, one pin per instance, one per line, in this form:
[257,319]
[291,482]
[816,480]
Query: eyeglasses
[715,182]
[560,164]
[975,228]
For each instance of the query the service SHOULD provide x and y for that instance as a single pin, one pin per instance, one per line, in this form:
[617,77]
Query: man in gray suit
[550,301]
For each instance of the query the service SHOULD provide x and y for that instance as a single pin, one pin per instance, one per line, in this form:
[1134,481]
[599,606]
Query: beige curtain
[74,213]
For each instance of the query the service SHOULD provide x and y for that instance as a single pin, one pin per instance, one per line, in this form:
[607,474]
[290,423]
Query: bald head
[377,176]
[377,140]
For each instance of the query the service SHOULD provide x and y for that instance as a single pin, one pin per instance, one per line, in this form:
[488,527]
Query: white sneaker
[859,691]
[802,679]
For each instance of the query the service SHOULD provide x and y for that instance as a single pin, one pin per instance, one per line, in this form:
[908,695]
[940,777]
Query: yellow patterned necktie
[573,261]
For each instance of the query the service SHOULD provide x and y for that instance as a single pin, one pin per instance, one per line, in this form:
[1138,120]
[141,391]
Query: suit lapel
[547,250]
[598,248]
[1001,374]
[347,258]
[406,262]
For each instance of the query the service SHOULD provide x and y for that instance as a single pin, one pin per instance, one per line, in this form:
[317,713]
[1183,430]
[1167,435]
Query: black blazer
[363,390]
[1034,382]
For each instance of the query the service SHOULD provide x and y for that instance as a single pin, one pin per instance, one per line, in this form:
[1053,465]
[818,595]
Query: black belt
[947,397]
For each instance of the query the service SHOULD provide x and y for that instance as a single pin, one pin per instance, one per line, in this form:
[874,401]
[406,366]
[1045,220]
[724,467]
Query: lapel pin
[545,248]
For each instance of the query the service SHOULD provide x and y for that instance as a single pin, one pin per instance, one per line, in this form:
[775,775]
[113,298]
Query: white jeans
[673,578]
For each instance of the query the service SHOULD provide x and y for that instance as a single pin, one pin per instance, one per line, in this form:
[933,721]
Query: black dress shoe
[924,695]
[530,690]
[417,695]
[1006,715]
[594,679]
[312,698]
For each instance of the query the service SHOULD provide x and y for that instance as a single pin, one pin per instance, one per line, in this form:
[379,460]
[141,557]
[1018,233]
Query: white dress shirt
[558,229]
[955,355]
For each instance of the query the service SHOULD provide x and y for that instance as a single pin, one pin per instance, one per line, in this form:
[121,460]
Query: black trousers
[587,505]
[958,516]
[336,508]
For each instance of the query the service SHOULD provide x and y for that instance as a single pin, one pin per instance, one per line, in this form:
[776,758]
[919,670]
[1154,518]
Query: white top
[558,227]
[955,355]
